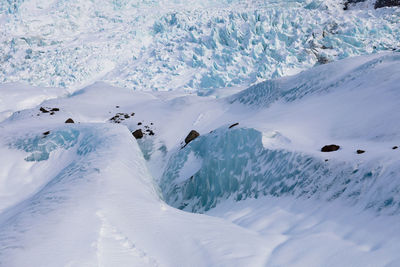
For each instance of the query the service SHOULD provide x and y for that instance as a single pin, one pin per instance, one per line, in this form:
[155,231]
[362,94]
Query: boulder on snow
[138,134]
[395,147]
[386,3]
[360,151]
[330,148]
[191,136]
[69,121]
[46,133]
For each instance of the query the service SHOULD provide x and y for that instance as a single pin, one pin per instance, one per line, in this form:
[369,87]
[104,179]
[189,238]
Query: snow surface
[251,77]
[89,194]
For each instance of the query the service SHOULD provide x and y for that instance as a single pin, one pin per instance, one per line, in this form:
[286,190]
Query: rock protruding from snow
[42,109]
[69,121]
[330,148]
[386,3]
[233,125]
[138,134]
[191,136]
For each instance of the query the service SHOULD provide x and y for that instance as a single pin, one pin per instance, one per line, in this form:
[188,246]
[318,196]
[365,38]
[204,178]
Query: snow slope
[285,123]
[89,194]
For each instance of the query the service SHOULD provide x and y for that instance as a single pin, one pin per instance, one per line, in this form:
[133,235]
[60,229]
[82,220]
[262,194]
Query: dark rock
[126,116]
[386,3]
[359,151]
[233,125]
[133,114]
[326,160]
[55,109]
[117,106]
[139,123]
[330,148]
[151,132]
[395,147]
[69,121]
[348,2]
[191,136]
[42,109]
[322,59]
[138,134]
[51,113]
[46,133]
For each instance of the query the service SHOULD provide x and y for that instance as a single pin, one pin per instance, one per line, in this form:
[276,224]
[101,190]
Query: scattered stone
[138,134]
[359,151]
[386,3]
[49,110]
[133,114]
[330,148]
[395,147]
[42,109]
[119,117]
[326,160]
[46,133]
[151,123]
[117,106]
[191,136]
[139,123]
[69,121]
[150,132]
[233,125]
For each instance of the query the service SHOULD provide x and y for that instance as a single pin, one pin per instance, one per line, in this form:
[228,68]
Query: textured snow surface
[343,99]
[253,189]
[193,45]
[89,194]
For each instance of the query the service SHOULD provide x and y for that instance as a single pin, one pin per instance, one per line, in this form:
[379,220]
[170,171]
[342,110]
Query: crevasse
[236,165]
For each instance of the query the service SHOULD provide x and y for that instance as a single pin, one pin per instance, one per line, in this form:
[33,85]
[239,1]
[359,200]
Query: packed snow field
[97,100]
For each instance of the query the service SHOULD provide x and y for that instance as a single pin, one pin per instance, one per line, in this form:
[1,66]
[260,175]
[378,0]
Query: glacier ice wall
[236,165]
[40,146]
[195,45]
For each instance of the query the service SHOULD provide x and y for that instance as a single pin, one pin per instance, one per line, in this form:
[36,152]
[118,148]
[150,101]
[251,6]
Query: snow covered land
[97,99]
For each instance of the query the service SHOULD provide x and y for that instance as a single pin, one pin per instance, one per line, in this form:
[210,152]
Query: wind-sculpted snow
[236,165]
[196,45]
[70,192]
[101,208]
[321,80]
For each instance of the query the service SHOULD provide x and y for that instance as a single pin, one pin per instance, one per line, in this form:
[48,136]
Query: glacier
[236,164]
[145,45]
[89,194]
[265,83]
